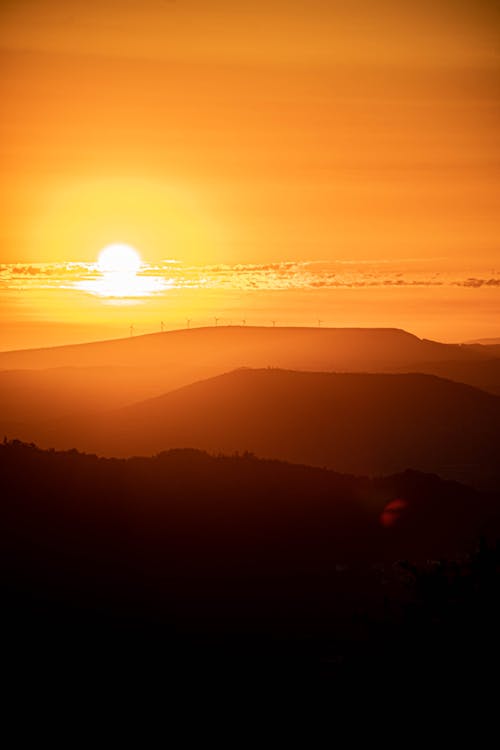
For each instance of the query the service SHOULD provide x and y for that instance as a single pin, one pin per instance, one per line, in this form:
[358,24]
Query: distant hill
[229,347]
[45,384]
[356,423]
[483,373]
[486,342]
[38,395]
[492,351]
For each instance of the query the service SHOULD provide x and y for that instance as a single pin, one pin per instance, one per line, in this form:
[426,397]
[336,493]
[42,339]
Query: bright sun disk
[118,279]
[119,259]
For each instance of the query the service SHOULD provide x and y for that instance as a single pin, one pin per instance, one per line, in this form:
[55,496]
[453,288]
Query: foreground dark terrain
[192,559]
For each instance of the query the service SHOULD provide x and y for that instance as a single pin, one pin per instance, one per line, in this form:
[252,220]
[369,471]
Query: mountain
[483,373]
[37,395]
[229,347]
[351,422]
[491,350]
[43,384]
[486,342]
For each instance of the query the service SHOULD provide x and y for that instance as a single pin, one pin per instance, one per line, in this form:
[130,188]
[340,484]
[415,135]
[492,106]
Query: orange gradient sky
[248,134]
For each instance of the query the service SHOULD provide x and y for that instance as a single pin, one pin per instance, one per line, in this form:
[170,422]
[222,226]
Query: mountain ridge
[63,355]
[351,422]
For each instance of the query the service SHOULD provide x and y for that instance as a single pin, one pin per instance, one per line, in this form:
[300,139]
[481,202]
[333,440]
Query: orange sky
[247,133]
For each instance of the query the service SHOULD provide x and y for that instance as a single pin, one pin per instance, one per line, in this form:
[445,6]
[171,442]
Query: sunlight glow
[118,267]
[119,258]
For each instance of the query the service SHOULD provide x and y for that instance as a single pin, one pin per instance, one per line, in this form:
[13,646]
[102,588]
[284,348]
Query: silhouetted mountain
[44,384]
[483,374]
[258,555]
[485,342]
[486,350]
[76,380]
[228,347]
[38,395]
[355,423]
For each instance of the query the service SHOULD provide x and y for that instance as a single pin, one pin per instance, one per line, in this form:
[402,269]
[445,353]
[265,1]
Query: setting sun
[119,258]
[119,274]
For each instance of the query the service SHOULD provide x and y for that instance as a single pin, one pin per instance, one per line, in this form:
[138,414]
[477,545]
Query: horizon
[52,304]
[245,326]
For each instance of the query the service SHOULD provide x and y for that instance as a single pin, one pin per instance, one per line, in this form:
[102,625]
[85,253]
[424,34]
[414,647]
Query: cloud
[283,276]
[476,283]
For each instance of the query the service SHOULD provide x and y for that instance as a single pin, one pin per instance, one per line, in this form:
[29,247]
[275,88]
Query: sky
[290,161]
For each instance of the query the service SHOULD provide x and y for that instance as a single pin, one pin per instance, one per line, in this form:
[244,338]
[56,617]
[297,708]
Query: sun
[119,259]
[118,276]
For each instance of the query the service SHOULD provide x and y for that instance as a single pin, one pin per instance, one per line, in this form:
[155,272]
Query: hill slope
[355,423]
[50,383]
[241,346]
